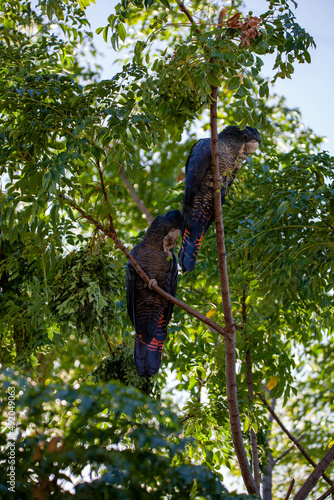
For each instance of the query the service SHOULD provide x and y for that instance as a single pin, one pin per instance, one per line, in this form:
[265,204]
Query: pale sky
[311,86]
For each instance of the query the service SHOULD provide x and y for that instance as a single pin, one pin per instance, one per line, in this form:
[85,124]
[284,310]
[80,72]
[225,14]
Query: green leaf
[246,424]
[213,80]
[307,57]
[192,382]
[247,83]
[105,33]
[234,83]
[121,32]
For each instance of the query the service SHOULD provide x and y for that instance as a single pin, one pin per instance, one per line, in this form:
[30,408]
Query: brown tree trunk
[231,381]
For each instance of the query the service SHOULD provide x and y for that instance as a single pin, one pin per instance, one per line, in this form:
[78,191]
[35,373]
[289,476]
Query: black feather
[149,312]
[198,207]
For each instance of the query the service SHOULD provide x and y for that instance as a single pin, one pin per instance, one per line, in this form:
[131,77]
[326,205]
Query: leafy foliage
[85,291]
[131,443]
[119,365]
[62,286]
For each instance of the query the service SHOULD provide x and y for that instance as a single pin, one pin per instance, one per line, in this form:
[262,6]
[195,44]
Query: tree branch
[187,417]
[231,380]
[105,336]
[231,383]
[289,490]
[312,480]
[184,9]
[249,370]
[267,478]
[288,450]
[144,210]
[104,193]
[111,233]
[295,441]
[328,492]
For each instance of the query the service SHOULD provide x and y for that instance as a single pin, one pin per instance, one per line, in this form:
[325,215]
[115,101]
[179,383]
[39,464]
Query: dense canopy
[85,165]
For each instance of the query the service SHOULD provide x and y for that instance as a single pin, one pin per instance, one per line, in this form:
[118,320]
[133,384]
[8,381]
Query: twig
[231,8]
[144,210]
[290,436]
[110,232]
[328,492]
[289,490]
[104,192]
[190,415]
[313,478]
[288,450]
[105,336]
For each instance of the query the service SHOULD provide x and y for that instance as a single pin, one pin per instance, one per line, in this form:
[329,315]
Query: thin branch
[105,336]
[288,450]
[104,193]
[230,358]
[184,9]
[144,210]
[289,490]
[313,478]
[187,417]
[267,478]
[290,436]
[111,233]
[249,371]
[328,492]
[231,8]
[85,215]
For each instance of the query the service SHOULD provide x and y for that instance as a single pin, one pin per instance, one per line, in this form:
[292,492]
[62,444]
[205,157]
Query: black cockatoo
[149,312]
[234,145]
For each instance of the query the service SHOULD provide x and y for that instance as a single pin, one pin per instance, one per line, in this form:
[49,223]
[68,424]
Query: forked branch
[312,480]
[290,436]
